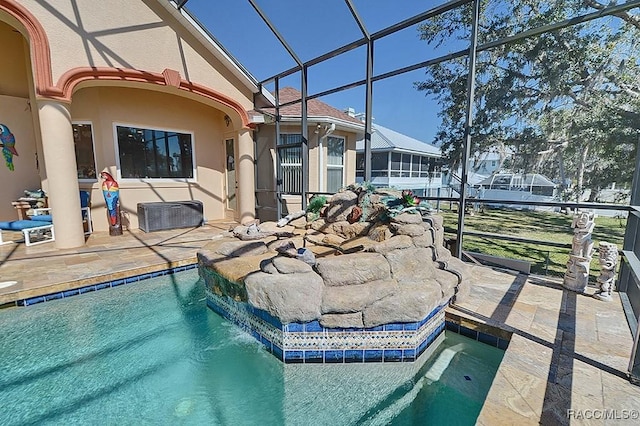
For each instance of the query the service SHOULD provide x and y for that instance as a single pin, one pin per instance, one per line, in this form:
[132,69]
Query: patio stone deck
[566,362]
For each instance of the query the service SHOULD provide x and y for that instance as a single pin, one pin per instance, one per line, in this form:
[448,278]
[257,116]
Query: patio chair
[44,214]
[34,231]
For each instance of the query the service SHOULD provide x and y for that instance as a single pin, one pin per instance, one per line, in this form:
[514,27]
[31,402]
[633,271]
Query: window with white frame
[379,164]
[335,163]
[290,157]
[83,143]
[151,153]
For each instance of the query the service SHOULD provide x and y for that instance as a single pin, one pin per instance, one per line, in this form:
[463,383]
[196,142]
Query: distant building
[400,161]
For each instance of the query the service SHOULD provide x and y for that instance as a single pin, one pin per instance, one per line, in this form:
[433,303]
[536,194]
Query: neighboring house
[332,138]
[134,88]
[400,161]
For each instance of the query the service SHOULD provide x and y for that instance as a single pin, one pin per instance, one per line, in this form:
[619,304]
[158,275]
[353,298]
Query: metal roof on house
[384,139]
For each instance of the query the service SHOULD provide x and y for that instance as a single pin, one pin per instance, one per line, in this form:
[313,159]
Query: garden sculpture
[608,257]
[577,276]
[111,193]
[7,142]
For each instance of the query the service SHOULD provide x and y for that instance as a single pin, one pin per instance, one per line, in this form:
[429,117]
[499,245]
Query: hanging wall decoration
[7,143]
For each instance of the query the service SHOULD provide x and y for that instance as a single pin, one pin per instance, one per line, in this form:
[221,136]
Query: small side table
[22,207]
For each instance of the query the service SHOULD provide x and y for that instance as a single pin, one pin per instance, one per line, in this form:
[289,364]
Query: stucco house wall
[138,63]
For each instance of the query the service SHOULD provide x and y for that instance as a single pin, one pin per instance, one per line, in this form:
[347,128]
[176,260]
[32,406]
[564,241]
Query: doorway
[230,164]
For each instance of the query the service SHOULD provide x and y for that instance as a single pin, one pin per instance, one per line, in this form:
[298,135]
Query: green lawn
[542,226]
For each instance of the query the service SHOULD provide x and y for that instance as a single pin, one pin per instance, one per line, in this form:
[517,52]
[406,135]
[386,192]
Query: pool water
[153,353]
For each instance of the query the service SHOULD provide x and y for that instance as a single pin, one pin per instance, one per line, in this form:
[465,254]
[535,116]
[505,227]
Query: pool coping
[28,297]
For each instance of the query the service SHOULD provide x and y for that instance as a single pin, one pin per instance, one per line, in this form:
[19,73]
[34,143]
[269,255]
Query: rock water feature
[364,278]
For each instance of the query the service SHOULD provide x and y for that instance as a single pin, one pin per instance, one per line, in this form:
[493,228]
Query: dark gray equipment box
[170,215]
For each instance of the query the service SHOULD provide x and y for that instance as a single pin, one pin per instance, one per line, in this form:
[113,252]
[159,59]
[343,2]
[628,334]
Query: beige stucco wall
[135,34]
[13,72]
[104,106]
[16,114]
[266,163]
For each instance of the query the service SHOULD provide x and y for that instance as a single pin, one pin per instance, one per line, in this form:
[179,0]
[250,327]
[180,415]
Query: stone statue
[582,225]
[577,276]
[608,257]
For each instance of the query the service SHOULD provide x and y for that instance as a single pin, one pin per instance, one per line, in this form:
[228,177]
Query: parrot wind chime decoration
[7,143]
[111,193]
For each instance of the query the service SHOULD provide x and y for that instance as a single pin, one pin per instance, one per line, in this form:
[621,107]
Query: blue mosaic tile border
[100,286]
[480,336]
[311,343]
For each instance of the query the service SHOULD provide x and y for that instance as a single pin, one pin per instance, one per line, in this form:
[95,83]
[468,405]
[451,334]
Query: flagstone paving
[566,362]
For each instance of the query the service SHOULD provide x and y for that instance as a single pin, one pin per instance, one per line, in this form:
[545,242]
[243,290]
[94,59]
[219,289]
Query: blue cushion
[19,225]
[42,218]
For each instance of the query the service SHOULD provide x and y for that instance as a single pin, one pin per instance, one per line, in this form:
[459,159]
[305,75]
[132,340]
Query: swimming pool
[153,353]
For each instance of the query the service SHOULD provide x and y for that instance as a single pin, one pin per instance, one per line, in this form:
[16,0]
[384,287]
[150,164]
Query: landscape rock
[394,243]
[340,206]
[413,302]
[287,265]
[353,320]
[289,297]
[353,269]
[411,264]
[241,248]
[407,218]
[354,298]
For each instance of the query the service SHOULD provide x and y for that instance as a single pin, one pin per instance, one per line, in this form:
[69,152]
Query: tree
[573,93]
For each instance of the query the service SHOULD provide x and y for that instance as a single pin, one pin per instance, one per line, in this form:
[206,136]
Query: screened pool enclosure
[555,83]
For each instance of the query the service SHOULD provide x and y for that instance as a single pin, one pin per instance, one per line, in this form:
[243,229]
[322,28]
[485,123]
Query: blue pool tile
[488,339]
[128,280]
[293,356]
[277,351]
[313,357]
[34,300]
[411,326]
[409,355]
[70,293]
[53,296]
[102,285]
[373,356]
[392,355]
[144,277]
[265,342]
[452,326]
[294,327]
[256,335]
[334,356]
[87,289]
[467,332]
[378,328]
[502,344]
[394,327]
[351,355]
[312,326]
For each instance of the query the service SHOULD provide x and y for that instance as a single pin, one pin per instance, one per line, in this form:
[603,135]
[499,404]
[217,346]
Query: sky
[312,28]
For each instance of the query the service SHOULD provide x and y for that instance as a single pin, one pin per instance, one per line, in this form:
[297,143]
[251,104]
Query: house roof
[316,109]
[384,139]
